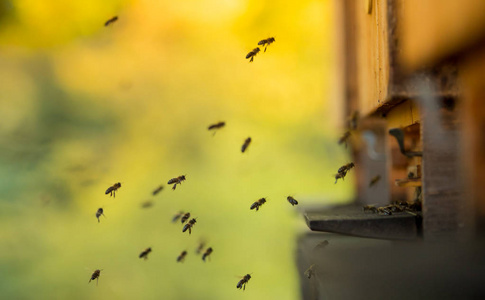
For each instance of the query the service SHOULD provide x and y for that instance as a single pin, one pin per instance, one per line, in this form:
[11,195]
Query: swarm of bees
[395,207]
[176,180]
[242,283]
[256,205]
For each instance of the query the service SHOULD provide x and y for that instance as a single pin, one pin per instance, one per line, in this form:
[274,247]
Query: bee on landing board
[177,216]
[252,54]
[181,257]
[99,213]
[256,205]
[242,283]
[246,144]
[145,253]
[112,189]
[189,226]
[95,275]
[158,190]
[110,21]
[185,218]
[292,201]
[206,254]
[176,180]
[266,42]
[216,126]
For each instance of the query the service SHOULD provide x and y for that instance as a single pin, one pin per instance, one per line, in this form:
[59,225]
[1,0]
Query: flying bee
[147,204]
[95,275]
[200,247]
[110,21]
[177,216]
[158,190]
[145,253]
[112,190]
[216,126]
[252,54]
[346,168]
[292,200]
[310,271]
[242,283]
[176,180]
[246,144]
[370,208]
[185,217]
[321,245]
[354,117]
[189,226]
[344,138]
[374,180]
[207,253]
[266,42]
[256,205]
[99,213]
[181,257]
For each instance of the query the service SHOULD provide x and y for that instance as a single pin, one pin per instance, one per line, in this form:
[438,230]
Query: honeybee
[354,117]
[181,257]
[266,42]
[200,247]
[177,180]
[112,190]
[242,283]
[252,54]
[147,204]
[185,217]
[145,252]
[177,216]
[345,168]
[158,190]
[256,205]
[292,200]
[246,144]
[374,180]
[189,226]
[370,208]
[384,211]
[344,138]
[310,271]
[339,176]
[216,126]
[112,20]
[320,245]
[99,213]
[207,253]
[95,275]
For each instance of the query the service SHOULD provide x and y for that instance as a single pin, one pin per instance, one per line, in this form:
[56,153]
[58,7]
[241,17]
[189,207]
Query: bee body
[252,54]
[292,200]
[176,180]
[207,253]
[242,283]
[110,21]
[99,213]
[189,226]
[246,144]
[112,189]
[177,216]
[181,257]
[185,217]
[344,138]
[145,253]
[95,275]
[216,126]
[158,190]
[266,42]
[256,205]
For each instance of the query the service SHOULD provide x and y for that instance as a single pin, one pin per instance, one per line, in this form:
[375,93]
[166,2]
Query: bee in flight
[112,189]
[292,200]
[99,213]
[95,275]
[181,257]
[200,247]
[246,144]
[310,271]
[344,138]
[242,283]
[339,175]
[177,216]
[374,180]
[147,204]
[321,245]
[158,190]
[216,126]
[145,253]
[256,205]
[346,168]
[266,42]
[110,21]
[176,180]
[252,54]
[207,253]
[189,226]
[185,218]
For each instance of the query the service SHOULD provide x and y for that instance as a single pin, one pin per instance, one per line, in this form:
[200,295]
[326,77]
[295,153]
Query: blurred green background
[84,106]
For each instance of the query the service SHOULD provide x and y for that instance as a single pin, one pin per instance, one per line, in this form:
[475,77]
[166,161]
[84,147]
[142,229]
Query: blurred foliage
[85,106]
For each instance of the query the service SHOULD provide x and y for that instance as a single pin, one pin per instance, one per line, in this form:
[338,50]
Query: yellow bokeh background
[85,106]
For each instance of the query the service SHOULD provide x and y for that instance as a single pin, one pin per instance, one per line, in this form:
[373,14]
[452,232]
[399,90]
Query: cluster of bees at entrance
[185,218]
